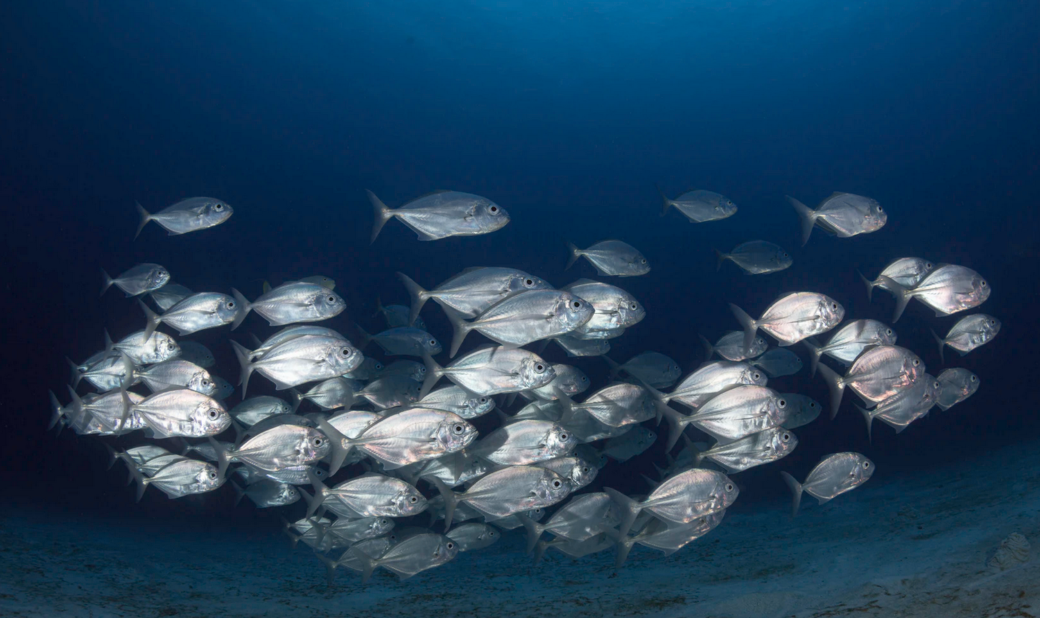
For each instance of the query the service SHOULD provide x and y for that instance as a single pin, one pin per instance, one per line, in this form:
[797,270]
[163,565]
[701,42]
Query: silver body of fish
[189,215]
[441,214]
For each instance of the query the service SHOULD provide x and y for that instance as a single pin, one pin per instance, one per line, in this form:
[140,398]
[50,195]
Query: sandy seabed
[915,545]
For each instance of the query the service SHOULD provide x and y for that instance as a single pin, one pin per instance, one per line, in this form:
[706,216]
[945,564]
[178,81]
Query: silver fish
[473,291]
[833,476]
[754,450]
[538,411]
[331,394]
[581,347]
[453,469]
[850,341]
[778,362]
[630,444]
[303,359]
[757,257]
[403,341]
[145,349]
[408,368]
[525,442]
[409,436]
[614,308]
[180,478]
[569,379]
[667,536]
[877,374]
[267,493]
[182,412]
[169,295]
[194,313]
[574,549]
[842,214]
[293,332]
[906,406]
[277,448]
[969,333]
[907,272]
[411,556]
[369,369]
[580,518]
[615,405]
[110,409]
[177,373]
[801,410]
[291,303]
[611,258]
[681,498]
[195,352]
[588,428]
[652,368]
[956,385]
[346,532]
[110,374]
[349,424]
[223,388]
[474,536]
[792,318]
[189,215]
[731,347]
[456,399]
[371,495]
[710,380]
[391,392]
[574,470]
[491,371]
[700,206]
[140,279]
[948,289]
[507,491]
[732,415]
[398,316]
[441,214]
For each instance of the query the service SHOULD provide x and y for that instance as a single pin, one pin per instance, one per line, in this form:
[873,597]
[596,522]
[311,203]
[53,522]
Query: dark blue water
[567,115]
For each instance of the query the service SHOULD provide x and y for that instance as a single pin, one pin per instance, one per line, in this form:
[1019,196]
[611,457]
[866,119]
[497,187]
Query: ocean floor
[906,546]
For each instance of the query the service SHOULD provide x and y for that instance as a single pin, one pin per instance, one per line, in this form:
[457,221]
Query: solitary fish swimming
[700,206]
[611,258]
[835,475]
[441,214]
[842,214]
[190,215]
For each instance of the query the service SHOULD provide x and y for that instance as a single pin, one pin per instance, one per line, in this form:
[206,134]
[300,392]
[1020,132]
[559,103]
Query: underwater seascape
[720,309]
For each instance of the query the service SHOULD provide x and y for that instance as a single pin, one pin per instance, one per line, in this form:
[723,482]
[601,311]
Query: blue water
[566,114]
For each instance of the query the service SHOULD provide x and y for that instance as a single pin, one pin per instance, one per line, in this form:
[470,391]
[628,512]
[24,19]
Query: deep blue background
[565,114]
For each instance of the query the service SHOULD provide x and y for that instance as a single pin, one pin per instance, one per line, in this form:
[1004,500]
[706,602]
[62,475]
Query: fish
[581,347]
[441,214]
[181,412]
[507,491]
[303,359]
[969,333]
[667,536]
[907,272]
[525,442]
[947,290]
[574,470]
[877,374]
[754,450]
[588,429]
[176,373]
[801,410]
[189,215]
[700,206]
[194,313]
[456,399]
[370,495]
[615,405]
[473,536]
[277,448]
[524,318]
[732,414]
[404,438]
[179,478]
[491,371]
[629,444]
[145,349]
[611,258]
[792,318]
[574,549]
[293,332]
[331,394]
[111,409]
[652,368]
[369,369]
[956,385]
[569,379]
[580,518]
[849,342]
[398,316]
[110,374]
[403,341]
[906,406]
[842,214]
[453,469]
[731,347]
[195,352]
[411,556]
[267,493]
[681,498]
[473,291]
[833,476]
[614,308]
[138,280]
[778,362]
[408,368]
[756,257]
[710,380]
[391,392]
[291,303]
[169,295]
[538,410]
[223,388]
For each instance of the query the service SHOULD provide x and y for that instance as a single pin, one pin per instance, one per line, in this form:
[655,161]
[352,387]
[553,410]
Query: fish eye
[539,367]
[318,441]
[633,306]
[782,404]
[433,342]
[491,533]
[927,264]
[785,437]
[888,331]
[644,262]
[812,405]
[557,484]
[729,486]
[983,283]
[231,304]
[493,209]
[584,378]
[413,499]
[483,400]
[458,429]
[528,282]
[757,375]
[218,207]
[213,414]
[585,469]
[345,351]
[212,474]
[332,299]
[450,545]
[564,436]
[879,209]
[866,464]
[834,306]
[916,362]
[973,378]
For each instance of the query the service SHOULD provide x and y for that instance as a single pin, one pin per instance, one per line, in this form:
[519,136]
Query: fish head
[227,309]
[454,434]
[224,388]
[536,514]
[726,492]
[408,501]
[829,313]
[343,357]
[488,216]
[446,551]
[214,212]
[967,384]
[312,446]
[582,474]
[209,418]
[165,347]
[875,217]
[326,303]
[202,382]
[783,442]
[886,336]
[378,527]
[535,372]
[207,478]
[521,282]
[559,440]
[430,345]
[783,259]
[752,375]
[725,208]
[571,311]
[550,489]
[477,406]
[287,495]
[630,311]
[990,327]
[638,264]
[158,278]
[980,291]
[758,348]
[776,410]
[861,471]
[913,366]
[671,373]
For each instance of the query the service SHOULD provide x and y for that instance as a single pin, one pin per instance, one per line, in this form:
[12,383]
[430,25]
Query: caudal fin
[152,320]
[244,307]
[107,282]
[942,345]
[368,565]
[720,257]
[666,203]
[806,215]
[450,500]
[533,528]
[223,459]
[416,293]
[459,329]
[336,445]
[708,348]
[320,491]
[243,356]
[142,482]
[434,372]
[901,292]
[870,285]
[624,546]
[869,417]
[628,508]
[145,218]
[796,491]
[814,356]
[676,424]
[330,567]
[382,214]
[56,412]
[575,253]
[748,324]
[836,387]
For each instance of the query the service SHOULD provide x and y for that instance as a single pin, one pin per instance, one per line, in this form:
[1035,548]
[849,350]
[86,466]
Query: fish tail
[806,215]
[434,373]
[867,416]
[539,550]
[265,287]
[708,348]
[75,376]
[145,218]
[338,443]
[796,491]
[239,428]
[296,398]
[77,403]
[835,385]
[293,537]
[223,459]
[624,546]
[365,338]
[368,565]
[109,345]
[127,404]
[629,510]
[534,530]
[450,500]
[239,492]
[382,214]
[720,258]
[698,454]
[901,292]
[142,482]
[870,286]
[313,502]
[322,529]
[614,367]
[107,282]
[676,424]
[749,325]
[575,253]
[417,295]
[942,346]
[56,411]
[244,307]
[243,356]
[113,456]
[814,356]
[330,567]
[667,203]
[152,320]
